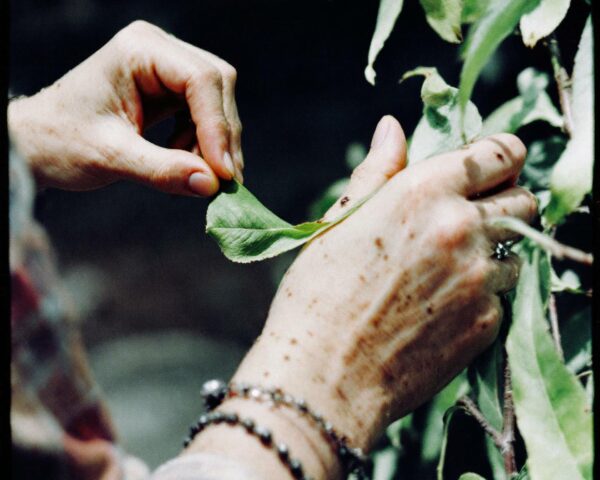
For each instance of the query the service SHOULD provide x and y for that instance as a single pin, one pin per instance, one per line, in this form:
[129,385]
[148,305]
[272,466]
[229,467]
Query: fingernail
[202,184]
[228,163]
[380,132]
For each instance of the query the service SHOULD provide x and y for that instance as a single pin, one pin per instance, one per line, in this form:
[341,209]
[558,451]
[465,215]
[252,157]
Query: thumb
[169,170]
[386,158]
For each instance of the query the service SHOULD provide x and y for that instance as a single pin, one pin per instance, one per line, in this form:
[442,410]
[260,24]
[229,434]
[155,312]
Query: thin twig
[471,408]
[508,425]
[554,326]
[559,250]
[563,83]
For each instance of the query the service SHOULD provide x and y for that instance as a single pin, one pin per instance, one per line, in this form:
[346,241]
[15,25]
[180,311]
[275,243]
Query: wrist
[346,392]
[284,426]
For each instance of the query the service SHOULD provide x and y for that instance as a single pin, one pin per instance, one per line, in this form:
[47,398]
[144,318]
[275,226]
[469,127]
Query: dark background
[138,261]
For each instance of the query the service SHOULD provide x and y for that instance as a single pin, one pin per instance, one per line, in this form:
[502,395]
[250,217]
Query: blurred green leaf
[447,419]
[550,403]
[444,16]
[385,464]
[532,104]
[320,206]
[485,375]
[523,474]
[471,476]
[541,157]
[438,130]
[386,18]
[473,10]
[499,21]
[567,282]
[543,20]
[434,423]
[355,154]
[576,335]
[247,231]
[571,178]
[395,429]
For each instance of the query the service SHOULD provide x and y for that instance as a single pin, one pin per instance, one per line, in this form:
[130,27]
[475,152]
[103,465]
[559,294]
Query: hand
[380,312]
[85,131]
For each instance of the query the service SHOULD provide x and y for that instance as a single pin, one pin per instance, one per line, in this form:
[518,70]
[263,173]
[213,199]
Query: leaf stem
[563,83]
[559,250]
[554,326]
[471,408]
[508,428]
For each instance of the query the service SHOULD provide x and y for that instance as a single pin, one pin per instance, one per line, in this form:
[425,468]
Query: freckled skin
[405,301]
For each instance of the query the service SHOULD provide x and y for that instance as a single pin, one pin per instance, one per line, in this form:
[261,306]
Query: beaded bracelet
[353,460]
[263,434]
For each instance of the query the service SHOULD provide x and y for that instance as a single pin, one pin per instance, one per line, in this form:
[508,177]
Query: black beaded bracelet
[263,434]
[353,460]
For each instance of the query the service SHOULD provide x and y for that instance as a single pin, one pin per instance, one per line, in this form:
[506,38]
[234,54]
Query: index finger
[162,63]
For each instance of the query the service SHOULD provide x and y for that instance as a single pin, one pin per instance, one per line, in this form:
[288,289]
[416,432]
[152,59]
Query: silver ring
[502,250]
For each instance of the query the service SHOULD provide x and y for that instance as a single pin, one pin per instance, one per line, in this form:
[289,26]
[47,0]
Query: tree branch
[563,83]
[471,408]
[554,326]
[508,425]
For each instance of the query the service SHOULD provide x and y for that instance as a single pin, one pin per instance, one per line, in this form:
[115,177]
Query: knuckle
[229,73]
[455,230]
[210,76]
[236,128]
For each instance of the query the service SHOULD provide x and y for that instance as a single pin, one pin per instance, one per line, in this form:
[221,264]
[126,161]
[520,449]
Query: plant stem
[508,428]
[471,408]
[554,325]
[563,83]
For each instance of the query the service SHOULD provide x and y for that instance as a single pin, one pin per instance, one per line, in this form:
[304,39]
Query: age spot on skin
[379,242]
[293,341]
[340,393]
[265,374]
[309,333]
[344,201]
[286,358]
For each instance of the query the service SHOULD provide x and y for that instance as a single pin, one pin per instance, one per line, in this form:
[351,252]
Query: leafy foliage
[552,382]
[550,402]
[571,178]
[438,130]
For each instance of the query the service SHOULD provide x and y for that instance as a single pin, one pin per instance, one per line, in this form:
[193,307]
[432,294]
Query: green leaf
[395,429]
[471,476]
[484,375]
[438,130]
[576,336]
[543,20]
[473,10]
[434,424]
[567,282]
[447,419]
[444,16]
[551,409]
[385,463]
[386,18]
[247,231]
[532,104]
[571,178]
[541,157]
[499,21]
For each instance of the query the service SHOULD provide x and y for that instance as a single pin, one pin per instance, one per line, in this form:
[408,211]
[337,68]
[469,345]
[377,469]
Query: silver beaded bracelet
[353,460]
[263,434]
